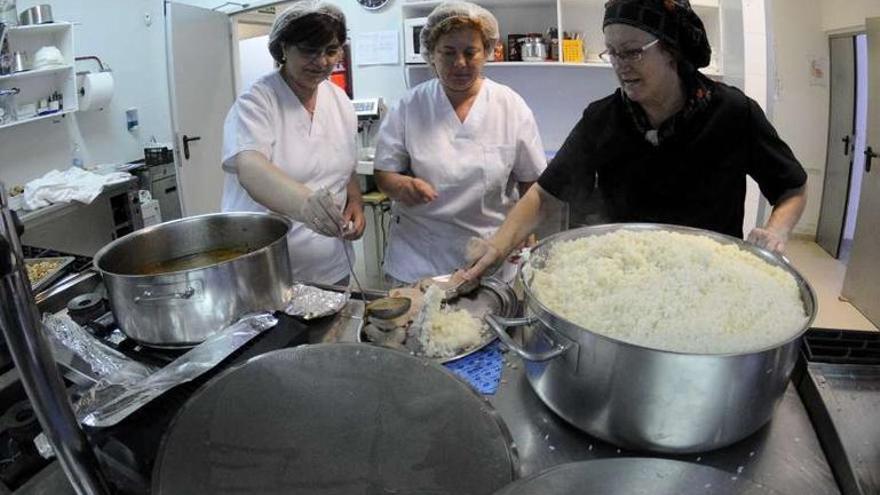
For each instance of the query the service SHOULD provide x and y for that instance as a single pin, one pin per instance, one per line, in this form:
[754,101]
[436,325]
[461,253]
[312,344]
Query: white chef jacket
[473,165]
[319,152]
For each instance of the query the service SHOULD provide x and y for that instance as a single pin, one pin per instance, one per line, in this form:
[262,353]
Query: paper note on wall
[377,48]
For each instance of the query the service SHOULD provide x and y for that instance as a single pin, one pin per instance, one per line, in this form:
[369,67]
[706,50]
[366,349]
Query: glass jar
[8,110]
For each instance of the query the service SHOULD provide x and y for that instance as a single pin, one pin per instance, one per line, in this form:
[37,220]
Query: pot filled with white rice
[660,337]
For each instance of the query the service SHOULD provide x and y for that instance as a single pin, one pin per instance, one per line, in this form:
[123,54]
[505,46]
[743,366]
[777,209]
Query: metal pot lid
[336,419]
[634,476]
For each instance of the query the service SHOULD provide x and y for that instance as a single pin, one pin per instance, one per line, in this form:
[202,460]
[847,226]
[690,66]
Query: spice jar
[499,51]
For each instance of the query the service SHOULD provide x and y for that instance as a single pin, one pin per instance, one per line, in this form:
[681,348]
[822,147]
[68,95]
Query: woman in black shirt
[669,146]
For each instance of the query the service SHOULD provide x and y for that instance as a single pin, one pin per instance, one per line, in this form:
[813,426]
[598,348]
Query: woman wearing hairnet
[669,146]
[456,152]
[289,144]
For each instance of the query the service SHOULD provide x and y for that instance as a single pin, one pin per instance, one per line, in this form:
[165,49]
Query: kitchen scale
[368,108]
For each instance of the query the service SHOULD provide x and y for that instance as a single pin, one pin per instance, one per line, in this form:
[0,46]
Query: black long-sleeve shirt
[608,170]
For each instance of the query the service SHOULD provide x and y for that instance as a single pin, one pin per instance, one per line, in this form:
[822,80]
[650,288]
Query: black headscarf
[674,22]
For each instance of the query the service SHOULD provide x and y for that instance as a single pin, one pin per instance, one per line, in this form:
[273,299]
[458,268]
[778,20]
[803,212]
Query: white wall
[749,73]
[800,102]
[847,15]
[116,32]
[800,108]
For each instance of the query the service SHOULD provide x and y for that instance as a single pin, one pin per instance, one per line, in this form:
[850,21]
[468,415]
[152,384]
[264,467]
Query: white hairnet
[298,10]
[448,11]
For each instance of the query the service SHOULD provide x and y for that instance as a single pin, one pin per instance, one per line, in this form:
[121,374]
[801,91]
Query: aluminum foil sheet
[309,302]
[110,401]
[107,363]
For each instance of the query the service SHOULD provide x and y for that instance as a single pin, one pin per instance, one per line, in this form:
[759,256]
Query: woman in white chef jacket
[455,153]
[289,144]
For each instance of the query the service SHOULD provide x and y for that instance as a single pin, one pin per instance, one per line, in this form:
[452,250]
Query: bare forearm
[788,211]
[390,183]
[353,192]
[524,187]
[268,185]
[522,219]
[410,191]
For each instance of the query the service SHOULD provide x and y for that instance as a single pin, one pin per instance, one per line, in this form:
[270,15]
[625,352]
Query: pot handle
[148,295]
[500,325]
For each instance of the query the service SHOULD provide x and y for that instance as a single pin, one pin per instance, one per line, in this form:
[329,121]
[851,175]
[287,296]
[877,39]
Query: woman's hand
[415,191]
[353,214]
[768,238]
[320,214]
[410,191]
[354,220]
[783,218]
[482,256]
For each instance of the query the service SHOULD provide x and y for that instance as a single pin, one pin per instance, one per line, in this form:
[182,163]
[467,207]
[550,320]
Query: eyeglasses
[470,55]
[626,56]
[312,53]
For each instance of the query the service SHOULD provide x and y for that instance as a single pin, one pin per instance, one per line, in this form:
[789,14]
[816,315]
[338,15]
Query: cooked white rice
[670,291]
[446,332]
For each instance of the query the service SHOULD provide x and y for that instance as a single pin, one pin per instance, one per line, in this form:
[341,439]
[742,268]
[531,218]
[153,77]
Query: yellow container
[573,51]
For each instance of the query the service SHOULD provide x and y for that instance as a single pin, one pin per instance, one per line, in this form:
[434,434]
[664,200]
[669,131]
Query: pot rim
[810,303]
[148,230]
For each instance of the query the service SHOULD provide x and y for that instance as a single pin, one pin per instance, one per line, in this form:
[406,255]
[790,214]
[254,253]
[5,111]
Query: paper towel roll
[95,91]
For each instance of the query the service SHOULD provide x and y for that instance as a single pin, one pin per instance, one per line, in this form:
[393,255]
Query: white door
[841,143]
[201,81]
[862,283]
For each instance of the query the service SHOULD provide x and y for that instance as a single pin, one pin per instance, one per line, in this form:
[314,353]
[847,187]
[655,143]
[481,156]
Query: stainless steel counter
[784,456]
[40,216]
[83,229]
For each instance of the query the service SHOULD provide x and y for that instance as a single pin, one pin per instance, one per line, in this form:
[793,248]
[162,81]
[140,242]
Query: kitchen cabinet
[37,84]
[584,16]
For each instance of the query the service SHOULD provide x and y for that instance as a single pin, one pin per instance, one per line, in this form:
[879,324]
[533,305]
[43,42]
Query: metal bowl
[643,398]
[38,14]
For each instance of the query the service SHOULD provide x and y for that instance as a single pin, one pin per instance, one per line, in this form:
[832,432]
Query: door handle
[186,141]
[869,155]
[846,145]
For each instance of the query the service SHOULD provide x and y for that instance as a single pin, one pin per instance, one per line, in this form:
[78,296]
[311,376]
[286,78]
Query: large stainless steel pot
[643,398]
[183,308]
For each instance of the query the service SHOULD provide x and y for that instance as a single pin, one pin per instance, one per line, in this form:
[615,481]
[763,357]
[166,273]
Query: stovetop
[129,448]
[126,450]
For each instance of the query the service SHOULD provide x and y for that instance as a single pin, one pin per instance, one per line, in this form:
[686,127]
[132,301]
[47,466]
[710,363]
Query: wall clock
[373,4]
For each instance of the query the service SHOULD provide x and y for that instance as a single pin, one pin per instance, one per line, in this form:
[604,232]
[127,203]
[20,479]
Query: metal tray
[47,280]
[840,385]
[493,296]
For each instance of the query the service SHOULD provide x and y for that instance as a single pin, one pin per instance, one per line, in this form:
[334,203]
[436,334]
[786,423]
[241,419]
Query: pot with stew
[176,283]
